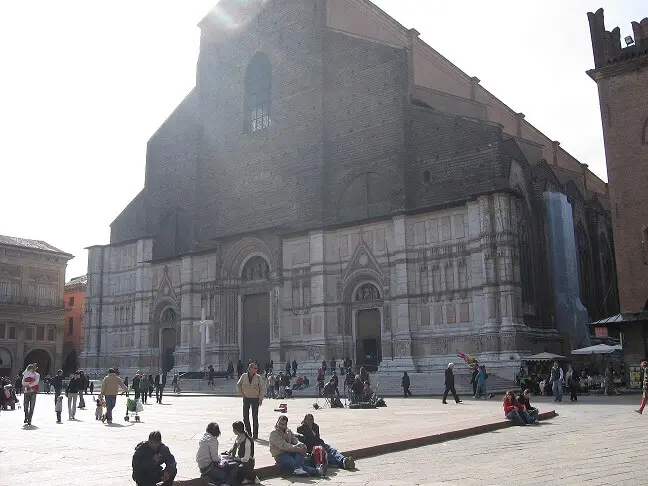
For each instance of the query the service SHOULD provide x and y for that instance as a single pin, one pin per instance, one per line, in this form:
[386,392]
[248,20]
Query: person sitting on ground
[148,459]
[243,452]
[209,461]
[356,389]
[513,410]
[288,452]
[524,399]
[309,433]
[299,383]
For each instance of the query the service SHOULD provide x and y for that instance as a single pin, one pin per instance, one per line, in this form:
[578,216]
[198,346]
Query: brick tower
[621,74]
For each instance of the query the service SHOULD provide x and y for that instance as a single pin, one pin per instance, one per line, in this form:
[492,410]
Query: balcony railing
[22,301]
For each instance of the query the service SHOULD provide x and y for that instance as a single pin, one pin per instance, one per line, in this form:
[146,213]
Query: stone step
[384,384]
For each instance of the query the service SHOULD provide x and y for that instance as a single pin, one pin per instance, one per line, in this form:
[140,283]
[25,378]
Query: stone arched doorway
[367,316]
[70,360]
[5,362]
[42,358]
[169,338]
[255,311]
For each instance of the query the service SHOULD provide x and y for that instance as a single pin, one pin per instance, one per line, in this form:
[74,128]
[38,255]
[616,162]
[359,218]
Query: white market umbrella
[543,357]
[597,349]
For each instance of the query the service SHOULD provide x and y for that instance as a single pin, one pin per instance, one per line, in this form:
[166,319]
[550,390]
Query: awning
[543,357]
[622,318]
[597,349]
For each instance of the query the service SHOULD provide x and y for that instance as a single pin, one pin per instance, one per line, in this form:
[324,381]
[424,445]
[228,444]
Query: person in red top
[514,410]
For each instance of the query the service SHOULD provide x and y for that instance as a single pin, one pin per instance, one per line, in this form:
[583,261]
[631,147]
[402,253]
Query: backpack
[318,456]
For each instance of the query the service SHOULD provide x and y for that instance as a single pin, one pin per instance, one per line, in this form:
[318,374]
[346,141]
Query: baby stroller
[133,407]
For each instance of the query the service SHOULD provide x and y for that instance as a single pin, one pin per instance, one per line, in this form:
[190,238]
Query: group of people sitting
[153,462]
[519,409]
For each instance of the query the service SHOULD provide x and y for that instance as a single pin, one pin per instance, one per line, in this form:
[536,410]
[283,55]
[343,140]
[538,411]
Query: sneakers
[257,480]
[348,463]
[300,472]
[639,411]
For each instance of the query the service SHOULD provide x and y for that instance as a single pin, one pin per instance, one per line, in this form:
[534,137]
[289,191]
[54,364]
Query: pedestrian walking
[57,382]
[176,386]
[72,393]
[644,365]
[294,367]
[30,383]
[58,408]
[210,375]
[160,383]
[144,388]
[239,369]
[252,388]
[405,383]
[110,387]
[557,377]
[324,366]
[450,384]
[125,384]
[481,382]
[136,385]
[473,380]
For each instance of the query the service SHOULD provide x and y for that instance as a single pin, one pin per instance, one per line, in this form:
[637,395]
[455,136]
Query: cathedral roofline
[121,243]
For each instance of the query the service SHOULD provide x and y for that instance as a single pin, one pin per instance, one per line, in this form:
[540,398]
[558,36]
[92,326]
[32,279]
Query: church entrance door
[169,339]
[368,347]
[255,331]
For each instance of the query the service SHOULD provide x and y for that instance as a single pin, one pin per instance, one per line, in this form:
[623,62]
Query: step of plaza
[383,384]
[266,472]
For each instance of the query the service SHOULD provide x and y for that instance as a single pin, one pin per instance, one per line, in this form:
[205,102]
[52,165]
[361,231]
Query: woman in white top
[243,452]
[30,383]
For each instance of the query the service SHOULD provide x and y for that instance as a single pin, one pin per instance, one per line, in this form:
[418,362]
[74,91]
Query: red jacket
[509,405]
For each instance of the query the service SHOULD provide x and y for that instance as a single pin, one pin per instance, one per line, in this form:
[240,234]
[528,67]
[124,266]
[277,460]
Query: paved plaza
[597,438]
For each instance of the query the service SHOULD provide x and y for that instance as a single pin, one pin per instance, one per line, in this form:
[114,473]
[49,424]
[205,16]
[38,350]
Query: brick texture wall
[624,110]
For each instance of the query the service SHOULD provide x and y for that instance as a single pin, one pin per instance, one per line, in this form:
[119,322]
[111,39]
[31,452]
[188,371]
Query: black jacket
[57,381]
[405,382]
[449,378]
[525,402]
[309,436]
[144,465]
[75,385]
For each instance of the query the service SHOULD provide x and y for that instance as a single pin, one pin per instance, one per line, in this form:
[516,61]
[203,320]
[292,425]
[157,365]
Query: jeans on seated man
[524,399]
[288,452]
[309,433]
[148,460]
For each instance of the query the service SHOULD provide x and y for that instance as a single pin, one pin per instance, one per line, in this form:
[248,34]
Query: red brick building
[75,294]
[621,74]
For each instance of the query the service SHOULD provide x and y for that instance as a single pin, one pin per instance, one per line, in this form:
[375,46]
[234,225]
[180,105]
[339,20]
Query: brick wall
[624,110]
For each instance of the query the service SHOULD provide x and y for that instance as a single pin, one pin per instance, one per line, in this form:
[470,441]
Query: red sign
[601,332]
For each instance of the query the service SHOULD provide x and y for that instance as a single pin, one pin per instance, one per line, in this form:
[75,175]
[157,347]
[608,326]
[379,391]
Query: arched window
[258,78]
[584,267]
[526,252]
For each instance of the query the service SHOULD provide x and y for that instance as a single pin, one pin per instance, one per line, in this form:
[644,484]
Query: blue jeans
[334,457]
[481,390]
[557,390]
[111,401]
[294,460]
[521,416]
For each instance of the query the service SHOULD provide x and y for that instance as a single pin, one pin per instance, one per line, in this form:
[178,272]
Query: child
[99,415]
[58,408]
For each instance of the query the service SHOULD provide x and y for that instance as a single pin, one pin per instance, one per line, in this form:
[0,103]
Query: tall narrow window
[70,326]
[258,79]
[526,252]
[584,266]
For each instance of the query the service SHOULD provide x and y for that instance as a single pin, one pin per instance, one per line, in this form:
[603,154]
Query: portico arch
[166,334]
[42,358]
[6,362]
[364,316]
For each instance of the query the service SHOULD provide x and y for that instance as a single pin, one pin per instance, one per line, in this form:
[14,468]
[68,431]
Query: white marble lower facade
[409,291]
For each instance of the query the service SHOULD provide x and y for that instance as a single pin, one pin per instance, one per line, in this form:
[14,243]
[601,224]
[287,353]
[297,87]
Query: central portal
[368,348]
[255,331]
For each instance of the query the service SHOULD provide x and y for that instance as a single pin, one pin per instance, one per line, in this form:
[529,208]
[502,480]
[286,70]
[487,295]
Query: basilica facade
[333,187]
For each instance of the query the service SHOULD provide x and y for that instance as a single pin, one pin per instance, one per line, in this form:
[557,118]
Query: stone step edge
[201,393]
[267,472]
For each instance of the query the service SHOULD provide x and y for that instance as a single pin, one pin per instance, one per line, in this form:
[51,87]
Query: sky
[85,83]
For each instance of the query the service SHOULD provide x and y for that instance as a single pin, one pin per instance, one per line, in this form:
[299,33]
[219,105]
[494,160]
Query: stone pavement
[596,436]
[67,453]
[597,441]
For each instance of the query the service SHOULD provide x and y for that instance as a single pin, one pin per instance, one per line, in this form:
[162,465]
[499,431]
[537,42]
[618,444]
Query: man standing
[58,384]
[110,387]
[557,381]
[160,383]
[148,459]
[252,388]
[405,383]
[450,384]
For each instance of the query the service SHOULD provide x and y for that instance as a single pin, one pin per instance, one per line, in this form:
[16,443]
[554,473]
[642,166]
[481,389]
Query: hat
[450,365]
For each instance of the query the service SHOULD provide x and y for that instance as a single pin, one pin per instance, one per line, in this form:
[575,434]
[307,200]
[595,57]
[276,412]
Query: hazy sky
[85,83]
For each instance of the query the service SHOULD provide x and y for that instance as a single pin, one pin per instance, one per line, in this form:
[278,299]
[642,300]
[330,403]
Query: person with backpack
[243,452]
[309,434]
